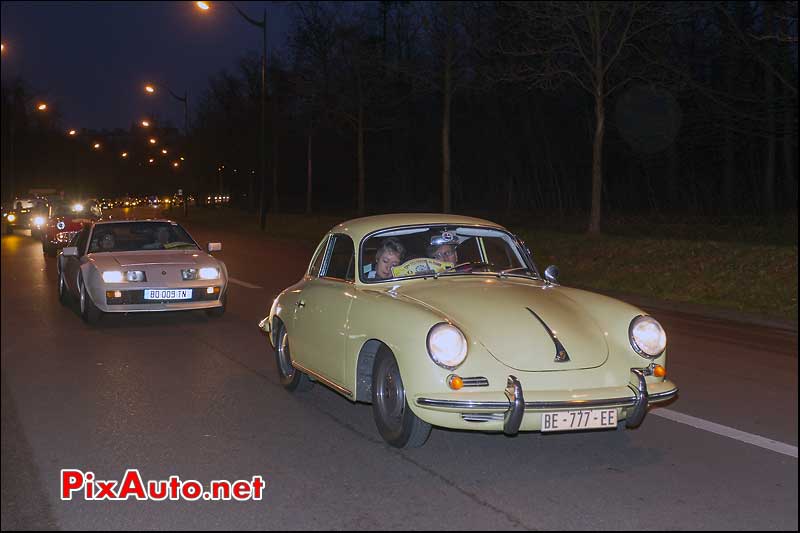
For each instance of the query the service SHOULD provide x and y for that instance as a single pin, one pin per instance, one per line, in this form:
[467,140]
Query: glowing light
[152,141]
[96,146]
[73,132]
[124,154]
[42,107]
[150,89]
[203,5]
[145,123]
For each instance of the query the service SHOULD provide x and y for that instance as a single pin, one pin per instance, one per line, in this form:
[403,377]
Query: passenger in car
[107,242]
[443,252]
[161,238]
[389,255]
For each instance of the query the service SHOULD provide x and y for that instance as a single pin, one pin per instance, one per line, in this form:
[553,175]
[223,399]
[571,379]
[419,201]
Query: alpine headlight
[447,346]
[208,273]
[135,275]
[112,276]
[647,336]
[188,274]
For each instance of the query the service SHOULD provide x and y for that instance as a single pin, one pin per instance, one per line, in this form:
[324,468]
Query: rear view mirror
[70,251]
[214,247]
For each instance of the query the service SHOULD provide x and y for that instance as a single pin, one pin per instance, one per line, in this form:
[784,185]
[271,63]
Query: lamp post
[150,89]
[262,204]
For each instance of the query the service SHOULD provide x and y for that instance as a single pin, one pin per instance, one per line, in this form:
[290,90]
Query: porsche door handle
[301,303]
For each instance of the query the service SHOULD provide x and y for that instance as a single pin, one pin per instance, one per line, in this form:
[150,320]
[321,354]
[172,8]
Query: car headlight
[77,208]
[12,217]
[209,273]
[135,275]
[60,225]
[647,337]
[112,276]
[447,346]
[188,274]
[38,221]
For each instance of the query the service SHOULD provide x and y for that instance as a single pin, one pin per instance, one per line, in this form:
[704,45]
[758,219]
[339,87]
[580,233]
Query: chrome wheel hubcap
[285,357]
[391,396]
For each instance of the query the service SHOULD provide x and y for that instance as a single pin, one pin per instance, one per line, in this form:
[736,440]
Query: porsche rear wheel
[291,378]
[396,422]
[89,312]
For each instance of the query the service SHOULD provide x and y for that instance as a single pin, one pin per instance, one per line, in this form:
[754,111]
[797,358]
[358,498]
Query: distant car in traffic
[64,221]
[26,213]
[140,266]
[444,320]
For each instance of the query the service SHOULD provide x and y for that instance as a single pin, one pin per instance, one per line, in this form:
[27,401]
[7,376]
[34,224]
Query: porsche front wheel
[396,422]
[291,378]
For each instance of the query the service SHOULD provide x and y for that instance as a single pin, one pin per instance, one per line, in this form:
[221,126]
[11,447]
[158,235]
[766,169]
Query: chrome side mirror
[551,274]
[214,247]
[70,251]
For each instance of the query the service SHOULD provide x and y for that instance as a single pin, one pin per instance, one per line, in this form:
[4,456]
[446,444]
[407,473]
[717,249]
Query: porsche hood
[524,325]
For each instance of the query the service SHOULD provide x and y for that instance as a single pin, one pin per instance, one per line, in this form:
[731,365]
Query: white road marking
[725,431]
[244,283]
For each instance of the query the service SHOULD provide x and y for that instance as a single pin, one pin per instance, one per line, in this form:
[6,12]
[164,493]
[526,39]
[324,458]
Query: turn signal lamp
[455,382]
[659,371]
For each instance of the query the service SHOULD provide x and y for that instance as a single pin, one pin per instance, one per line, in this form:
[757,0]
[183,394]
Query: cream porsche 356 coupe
[443,320]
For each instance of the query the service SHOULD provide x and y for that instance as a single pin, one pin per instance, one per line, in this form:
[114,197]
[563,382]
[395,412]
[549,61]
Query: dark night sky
[91,59]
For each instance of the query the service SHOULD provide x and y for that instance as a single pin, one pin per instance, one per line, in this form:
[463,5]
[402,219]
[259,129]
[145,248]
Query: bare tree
[600,46]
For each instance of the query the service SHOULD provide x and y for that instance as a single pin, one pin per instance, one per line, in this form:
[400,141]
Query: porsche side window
[316,264]
[341,264]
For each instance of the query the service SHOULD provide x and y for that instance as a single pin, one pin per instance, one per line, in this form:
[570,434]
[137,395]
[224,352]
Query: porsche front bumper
[514,412]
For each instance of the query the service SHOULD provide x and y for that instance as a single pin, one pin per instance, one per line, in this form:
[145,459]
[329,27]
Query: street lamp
[152,141]
[72,133]
[151,89]
[145,124]
[42,107]
[262,208]
[96,146]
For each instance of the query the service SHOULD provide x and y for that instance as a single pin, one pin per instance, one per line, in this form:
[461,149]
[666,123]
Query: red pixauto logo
[78,483]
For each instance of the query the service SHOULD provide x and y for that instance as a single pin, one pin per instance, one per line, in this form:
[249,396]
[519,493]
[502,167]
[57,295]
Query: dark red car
[63,223]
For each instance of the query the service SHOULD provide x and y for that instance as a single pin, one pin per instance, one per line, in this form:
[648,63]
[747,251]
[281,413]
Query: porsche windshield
[135,236]
[440,251]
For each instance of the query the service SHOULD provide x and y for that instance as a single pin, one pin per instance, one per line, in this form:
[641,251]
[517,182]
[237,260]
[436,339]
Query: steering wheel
[420,265]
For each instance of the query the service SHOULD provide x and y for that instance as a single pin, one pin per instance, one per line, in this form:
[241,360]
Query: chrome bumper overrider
[514,409]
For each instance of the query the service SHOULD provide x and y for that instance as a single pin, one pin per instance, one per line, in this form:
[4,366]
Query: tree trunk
[769,163]
[309,182]
[597,162]
[446,206]
[361,169]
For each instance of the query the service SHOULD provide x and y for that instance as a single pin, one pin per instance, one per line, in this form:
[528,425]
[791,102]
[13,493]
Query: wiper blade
[509,270]
[455,268]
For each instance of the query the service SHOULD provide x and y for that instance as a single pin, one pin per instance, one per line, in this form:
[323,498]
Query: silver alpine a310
[140,266]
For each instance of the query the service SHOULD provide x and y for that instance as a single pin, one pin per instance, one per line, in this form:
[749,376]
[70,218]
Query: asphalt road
[183,394]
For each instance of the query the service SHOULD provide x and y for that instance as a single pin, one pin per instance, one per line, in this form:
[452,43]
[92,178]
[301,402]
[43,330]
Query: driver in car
[389,255]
